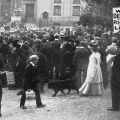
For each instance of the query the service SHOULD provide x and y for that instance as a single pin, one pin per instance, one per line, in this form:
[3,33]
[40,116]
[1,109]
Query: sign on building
[116,19]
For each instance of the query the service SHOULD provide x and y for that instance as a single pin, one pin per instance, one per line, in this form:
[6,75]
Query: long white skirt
[91,89]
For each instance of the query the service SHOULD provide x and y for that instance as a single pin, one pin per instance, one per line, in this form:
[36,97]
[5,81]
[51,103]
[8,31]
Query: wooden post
[54,73]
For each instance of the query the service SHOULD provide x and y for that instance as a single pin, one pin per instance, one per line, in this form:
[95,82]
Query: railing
[65,21]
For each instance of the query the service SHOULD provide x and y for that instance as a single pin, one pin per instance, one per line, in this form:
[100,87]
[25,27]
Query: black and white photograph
[59,59]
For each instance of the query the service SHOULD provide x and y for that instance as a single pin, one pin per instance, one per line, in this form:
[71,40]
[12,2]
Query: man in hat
[115,82]
[31,81]
[15,55]
[4,47]
[111,51]
[56,36]
[1,82]
[0,96]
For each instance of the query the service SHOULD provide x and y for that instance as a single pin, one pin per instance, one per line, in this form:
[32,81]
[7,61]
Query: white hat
[56,34]
[62,33]
[32,57]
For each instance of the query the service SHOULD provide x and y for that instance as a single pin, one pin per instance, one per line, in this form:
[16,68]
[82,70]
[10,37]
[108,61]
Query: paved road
[62,107]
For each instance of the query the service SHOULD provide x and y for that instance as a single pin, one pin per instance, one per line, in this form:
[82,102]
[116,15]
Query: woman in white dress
[93,84]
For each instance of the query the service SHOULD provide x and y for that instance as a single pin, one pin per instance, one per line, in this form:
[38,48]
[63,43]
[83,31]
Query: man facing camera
[31,81]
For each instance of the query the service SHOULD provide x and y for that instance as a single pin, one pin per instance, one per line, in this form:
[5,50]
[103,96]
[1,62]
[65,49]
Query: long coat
[30,77]
[43,67]
[94,76]
[115,82]
[94,73]
[80,61]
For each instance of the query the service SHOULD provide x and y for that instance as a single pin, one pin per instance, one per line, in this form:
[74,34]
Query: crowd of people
[63,54]
[57,49]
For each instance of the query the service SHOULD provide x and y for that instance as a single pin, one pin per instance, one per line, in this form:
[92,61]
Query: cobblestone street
[61,107]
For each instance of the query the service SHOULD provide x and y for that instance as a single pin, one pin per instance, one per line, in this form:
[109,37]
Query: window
[57,11]
[76,1]
[57,1]
[76,10]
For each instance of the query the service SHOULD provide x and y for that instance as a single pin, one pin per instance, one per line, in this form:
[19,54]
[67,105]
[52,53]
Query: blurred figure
[1,69]
[80,61]
[0,96]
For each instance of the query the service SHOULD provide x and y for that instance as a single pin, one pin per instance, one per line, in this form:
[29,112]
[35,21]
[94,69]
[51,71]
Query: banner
[116,19]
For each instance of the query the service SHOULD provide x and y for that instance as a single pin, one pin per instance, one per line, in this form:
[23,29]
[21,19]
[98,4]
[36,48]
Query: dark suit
[0,94]
[31,82]
[115,83]
[4,50]
[1,76]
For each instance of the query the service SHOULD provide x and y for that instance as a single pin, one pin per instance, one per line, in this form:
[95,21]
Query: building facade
[5,10]
[52,11]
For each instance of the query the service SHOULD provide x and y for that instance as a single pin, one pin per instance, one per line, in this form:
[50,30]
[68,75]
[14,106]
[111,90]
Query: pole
[15,4]
[105,5]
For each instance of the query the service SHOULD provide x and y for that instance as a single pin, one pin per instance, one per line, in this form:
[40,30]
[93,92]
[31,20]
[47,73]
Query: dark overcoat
[31,78]
[115,83]
[115,80]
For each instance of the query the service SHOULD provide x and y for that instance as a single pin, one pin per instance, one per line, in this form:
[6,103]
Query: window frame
[57,1]
[55,13]
[76,2]
[76,13]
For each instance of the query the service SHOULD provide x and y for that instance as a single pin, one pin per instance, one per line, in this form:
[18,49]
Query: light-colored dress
[93,84]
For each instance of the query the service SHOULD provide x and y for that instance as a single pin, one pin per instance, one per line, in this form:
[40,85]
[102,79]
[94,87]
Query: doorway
[30,11]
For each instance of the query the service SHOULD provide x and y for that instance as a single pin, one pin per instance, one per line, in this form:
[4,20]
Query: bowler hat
[38,41]
[93,44]
[83,43]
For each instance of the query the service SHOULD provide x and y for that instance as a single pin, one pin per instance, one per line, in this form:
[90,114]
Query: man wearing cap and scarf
[31,82]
